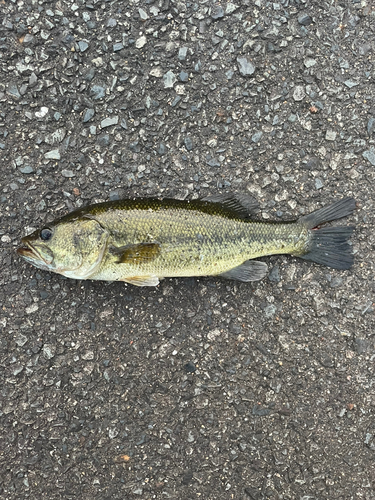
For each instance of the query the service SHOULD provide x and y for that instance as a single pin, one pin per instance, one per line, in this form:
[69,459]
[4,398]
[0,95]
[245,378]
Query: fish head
[73,248]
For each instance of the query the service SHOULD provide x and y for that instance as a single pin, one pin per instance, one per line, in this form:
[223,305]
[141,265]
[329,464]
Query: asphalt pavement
[198,388]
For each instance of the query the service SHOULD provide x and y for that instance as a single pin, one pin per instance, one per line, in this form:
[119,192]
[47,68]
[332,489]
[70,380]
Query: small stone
[28,39]
[27,169]
[246,68]
[309,62]
[260,412]
[229,74]
[188,143]
[89,113]
[17,369]
[190,367]
[97,91]
[141,42]
[56,136]
[49,351]
[68,173]
[299,93]
[157,72]
[214,163]
[274,275]
[42,113]
[111,23]
[31,309]
[142,14]
[184,76]
[350,84]
[182,53]
[257,136]
[318,183]
[230,8]
[24,69]
[108,122]
[304,19]
[21,340]
[103,140]
[161,149]
[269,311]
[361,345]
[83,45]
[330,135]
[371,126]
[169,79]
[370,155]
[13,91]
[117,46]
[53,155]
[217,12]
[32,79]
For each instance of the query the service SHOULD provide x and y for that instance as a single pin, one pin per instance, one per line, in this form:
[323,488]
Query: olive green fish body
[142,241]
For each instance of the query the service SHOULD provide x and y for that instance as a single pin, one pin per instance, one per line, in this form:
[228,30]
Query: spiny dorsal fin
[243,205]
[137,254]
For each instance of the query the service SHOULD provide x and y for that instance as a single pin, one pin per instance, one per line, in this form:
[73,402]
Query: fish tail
[329,245]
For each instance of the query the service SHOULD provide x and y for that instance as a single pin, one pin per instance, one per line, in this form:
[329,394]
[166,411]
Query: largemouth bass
[141,241]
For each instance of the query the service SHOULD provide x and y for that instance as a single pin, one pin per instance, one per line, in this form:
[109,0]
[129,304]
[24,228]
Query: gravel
[200,388]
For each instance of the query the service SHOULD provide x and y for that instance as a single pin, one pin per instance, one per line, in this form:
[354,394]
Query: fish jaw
[38,258]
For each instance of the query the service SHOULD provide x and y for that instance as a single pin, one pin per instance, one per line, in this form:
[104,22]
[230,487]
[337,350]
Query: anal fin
[251,270]
[149,280]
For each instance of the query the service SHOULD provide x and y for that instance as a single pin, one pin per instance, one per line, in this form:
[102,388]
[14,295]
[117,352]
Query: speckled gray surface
[198,388]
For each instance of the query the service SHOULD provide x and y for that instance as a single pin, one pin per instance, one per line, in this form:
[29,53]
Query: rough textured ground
[198,388]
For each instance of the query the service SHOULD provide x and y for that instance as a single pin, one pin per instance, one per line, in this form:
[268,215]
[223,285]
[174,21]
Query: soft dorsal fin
[243,205]
[137,254]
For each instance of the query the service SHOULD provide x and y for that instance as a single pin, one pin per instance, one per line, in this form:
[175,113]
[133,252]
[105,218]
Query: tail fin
[329,246]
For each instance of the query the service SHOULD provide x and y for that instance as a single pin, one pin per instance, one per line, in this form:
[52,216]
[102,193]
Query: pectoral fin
[137,254]
[251,270]
[142,280]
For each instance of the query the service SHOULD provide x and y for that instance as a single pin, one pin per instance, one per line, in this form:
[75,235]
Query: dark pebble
[260,412]
[184,76]
[190,367]
[103,140]
[83,45]
[188,476]
[27,169]
[304,19]
[97,91]
[175,101]
[213,163]
[117,47]
[134,146]
[161,149]
[371,126]
[274,274]
[188,143]
[89,113]
[361,345]
[217,12]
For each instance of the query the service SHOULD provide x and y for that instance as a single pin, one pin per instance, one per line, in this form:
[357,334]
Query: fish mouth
[31,254]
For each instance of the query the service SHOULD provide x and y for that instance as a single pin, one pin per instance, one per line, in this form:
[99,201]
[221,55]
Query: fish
[143,240]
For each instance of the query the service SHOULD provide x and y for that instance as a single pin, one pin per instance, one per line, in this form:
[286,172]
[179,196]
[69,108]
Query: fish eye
[46,234]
